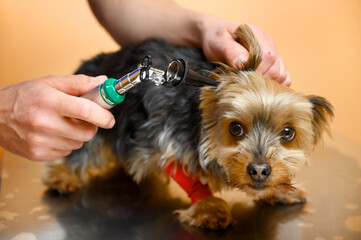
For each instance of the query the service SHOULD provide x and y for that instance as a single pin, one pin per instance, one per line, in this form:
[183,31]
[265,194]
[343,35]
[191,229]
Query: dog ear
[322,114]
[209,107]
[246,38]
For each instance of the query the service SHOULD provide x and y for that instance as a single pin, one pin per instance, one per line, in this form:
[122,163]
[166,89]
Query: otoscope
[112,91]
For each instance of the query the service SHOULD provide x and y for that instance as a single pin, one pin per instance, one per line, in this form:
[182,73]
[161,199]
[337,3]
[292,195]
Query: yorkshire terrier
[248,133]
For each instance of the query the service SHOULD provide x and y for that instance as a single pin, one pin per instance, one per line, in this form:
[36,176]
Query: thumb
[76,84]
[235,54]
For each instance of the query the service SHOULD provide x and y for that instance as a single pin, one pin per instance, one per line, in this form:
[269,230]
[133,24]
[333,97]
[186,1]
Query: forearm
[136,20]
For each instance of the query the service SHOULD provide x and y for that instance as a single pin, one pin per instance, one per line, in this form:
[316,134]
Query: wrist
[193,29]
[204,23]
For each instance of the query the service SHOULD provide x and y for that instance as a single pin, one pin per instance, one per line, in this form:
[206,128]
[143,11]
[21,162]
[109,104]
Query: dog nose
[259,172]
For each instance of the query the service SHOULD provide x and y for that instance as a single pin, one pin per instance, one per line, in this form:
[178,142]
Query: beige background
[320,42]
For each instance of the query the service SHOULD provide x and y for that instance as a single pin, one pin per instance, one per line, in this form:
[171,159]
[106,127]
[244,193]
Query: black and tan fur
[157,125]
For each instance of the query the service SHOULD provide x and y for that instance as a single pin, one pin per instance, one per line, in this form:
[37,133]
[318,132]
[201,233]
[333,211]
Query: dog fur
[217,132]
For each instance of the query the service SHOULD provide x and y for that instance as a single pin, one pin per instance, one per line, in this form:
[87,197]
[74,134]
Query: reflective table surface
[114,207]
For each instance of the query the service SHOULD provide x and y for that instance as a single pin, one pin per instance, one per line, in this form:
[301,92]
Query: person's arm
[136,20]
[43,119]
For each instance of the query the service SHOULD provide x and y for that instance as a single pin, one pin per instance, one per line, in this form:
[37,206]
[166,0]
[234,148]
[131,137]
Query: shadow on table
[114,207]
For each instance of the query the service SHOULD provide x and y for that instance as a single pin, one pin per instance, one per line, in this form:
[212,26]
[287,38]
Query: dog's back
[151,118]
[154,121]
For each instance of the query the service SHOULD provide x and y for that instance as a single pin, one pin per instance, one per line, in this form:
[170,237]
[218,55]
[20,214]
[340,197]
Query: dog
[249,132]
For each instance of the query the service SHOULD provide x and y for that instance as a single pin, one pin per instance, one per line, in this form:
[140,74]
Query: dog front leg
[206,211]
[286,195]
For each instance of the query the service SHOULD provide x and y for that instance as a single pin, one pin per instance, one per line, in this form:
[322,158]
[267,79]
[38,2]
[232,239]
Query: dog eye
[288,134]
[236,129]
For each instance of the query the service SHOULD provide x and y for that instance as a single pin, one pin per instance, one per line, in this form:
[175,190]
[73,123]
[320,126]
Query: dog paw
[210,213]
[60,178]
[287,197]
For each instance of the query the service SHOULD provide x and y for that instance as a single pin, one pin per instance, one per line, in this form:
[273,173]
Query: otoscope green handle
[105,94]
[109,94]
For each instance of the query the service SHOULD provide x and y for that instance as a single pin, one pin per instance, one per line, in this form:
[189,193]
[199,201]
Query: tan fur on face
[264,108]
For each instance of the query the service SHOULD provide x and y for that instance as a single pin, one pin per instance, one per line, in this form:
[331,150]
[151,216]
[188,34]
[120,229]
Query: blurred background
[320,42]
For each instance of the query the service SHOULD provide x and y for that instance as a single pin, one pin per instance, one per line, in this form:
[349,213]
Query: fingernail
[112,123]
[288,80]
[240,61]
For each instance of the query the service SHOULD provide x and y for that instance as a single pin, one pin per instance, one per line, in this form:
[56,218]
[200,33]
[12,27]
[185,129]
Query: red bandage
[195,189]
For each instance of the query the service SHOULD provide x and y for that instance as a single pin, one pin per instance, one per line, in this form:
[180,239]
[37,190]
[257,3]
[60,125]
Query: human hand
[219,45]
[43,119]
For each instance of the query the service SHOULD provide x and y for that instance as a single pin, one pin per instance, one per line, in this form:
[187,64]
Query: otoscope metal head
[112,91]
[178,71]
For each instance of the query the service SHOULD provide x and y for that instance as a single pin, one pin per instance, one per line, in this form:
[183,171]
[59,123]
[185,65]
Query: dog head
[255,132]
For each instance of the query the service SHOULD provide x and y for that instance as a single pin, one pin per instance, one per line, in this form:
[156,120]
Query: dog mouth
[257,186]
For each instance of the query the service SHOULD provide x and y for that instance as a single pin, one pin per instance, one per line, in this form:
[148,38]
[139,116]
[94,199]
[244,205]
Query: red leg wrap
[194,188]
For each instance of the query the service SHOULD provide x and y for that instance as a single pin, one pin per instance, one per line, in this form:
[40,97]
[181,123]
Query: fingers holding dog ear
[219,44]
[235,55]
[284,77]
[272,65]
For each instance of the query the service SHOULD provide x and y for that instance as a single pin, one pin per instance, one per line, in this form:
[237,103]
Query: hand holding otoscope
[112,91]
